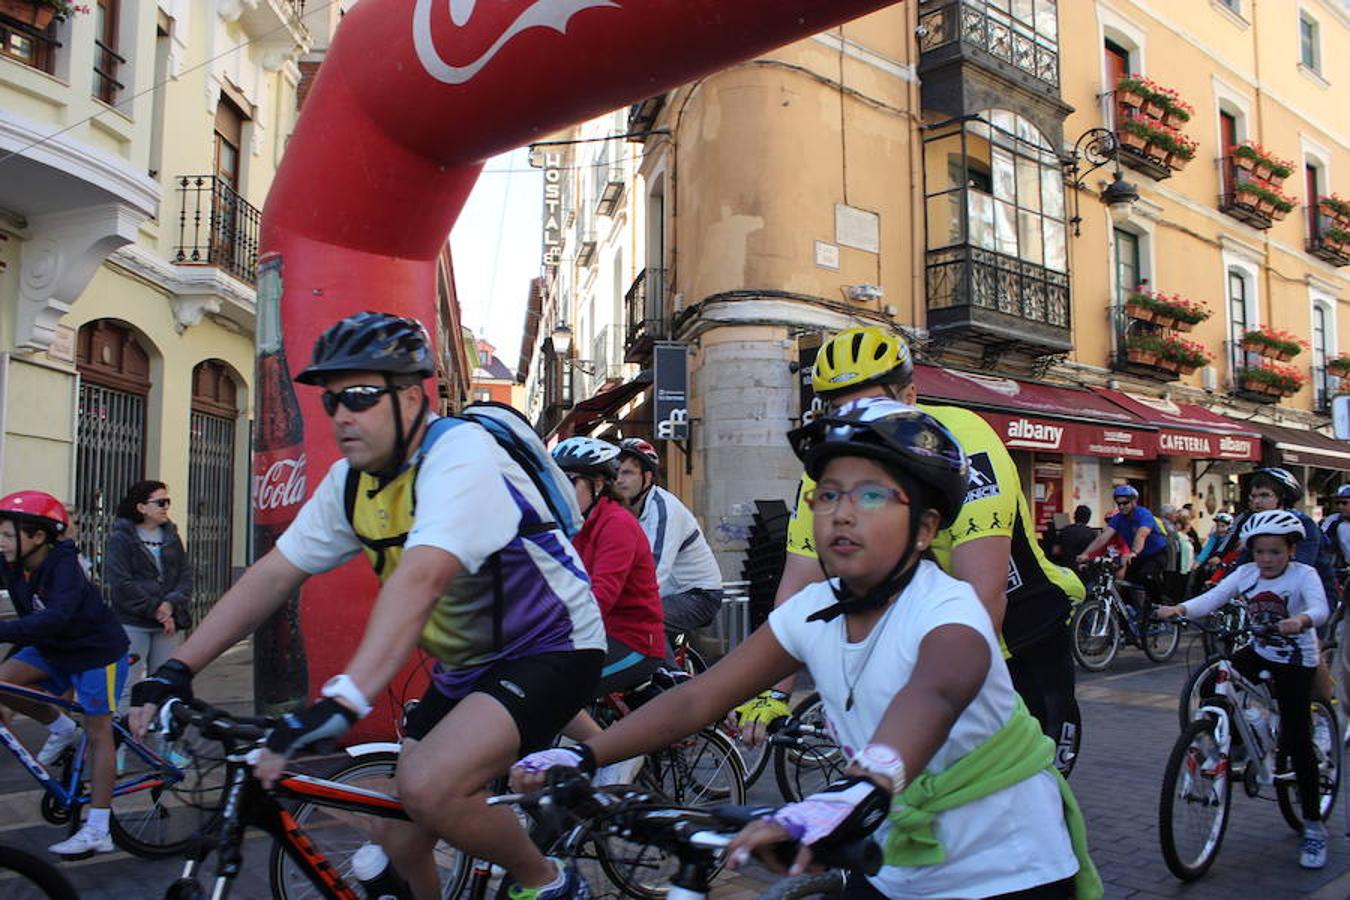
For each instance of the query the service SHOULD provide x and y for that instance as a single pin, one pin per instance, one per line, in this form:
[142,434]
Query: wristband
[341,687]
[587,755]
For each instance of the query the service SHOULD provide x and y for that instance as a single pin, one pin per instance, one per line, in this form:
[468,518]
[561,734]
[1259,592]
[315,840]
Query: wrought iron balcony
[993,37]
[1324,242]
[994,299]
[217,227]
[645,314]
[1241,206]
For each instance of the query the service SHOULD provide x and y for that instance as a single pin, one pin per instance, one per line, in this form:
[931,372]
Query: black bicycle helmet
[1286,485]
[894,434]
[642,451]
[371,342]
[587,456]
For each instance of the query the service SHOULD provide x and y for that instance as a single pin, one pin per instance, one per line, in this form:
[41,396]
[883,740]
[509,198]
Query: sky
[497,247]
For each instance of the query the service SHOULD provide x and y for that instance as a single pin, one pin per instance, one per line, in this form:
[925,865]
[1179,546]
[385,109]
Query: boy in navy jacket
[68,639]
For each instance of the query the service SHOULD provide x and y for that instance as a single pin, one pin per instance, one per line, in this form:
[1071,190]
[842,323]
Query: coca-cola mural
[412,96]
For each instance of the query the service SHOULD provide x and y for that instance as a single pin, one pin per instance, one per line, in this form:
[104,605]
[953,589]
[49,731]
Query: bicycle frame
[1230,685]
[248,805]
[69,794]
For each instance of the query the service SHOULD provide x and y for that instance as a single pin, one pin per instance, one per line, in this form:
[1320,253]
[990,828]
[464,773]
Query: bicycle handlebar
[1269,632]
[654,818]
[214,724]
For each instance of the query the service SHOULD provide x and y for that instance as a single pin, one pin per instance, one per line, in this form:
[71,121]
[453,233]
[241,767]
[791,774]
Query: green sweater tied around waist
[1016,752]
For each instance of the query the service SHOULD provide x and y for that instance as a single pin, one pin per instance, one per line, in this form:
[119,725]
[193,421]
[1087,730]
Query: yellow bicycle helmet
[857,357]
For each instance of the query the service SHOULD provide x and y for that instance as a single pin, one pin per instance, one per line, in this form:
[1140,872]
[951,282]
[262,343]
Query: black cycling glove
[324,721]
[173,679]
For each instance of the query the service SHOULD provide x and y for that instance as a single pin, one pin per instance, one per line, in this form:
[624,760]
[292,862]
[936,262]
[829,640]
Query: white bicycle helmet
[1271,521]
[587,456]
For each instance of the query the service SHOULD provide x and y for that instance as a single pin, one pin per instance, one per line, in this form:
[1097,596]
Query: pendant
[848,705]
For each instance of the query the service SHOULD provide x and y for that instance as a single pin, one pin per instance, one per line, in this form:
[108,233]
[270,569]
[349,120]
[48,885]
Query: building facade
[944,167]
[137,144]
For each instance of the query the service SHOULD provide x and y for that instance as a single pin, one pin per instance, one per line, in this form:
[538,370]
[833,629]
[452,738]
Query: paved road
[1130,724]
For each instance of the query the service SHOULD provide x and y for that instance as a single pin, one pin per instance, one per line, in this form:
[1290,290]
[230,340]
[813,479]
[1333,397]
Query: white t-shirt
[1337,528]
[1011,840]
[683,558]
[1298,589]
[471,499]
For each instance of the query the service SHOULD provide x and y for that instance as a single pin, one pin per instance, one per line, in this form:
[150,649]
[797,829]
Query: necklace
[872,639]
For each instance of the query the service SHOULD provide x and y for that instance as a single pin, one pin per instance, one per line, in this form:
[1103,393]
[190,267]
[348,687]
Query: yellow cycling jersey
[1039,592]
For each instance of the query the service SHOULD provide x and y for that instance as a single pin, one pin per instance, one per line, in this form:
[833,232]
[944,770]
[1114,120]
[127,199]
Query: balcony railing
[1324,241]
[1241,206]
[994,298]
[644,311]
[107,61]
[217,227]
[31,46]
[981,25]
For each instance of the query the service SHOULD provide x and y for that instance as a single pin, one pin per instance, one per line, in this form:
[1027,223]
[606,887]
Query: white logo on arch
[553,14]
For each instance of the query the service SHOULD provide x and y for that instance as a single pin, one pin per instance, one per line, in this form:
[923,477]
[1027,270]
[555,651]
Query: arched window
[211,478]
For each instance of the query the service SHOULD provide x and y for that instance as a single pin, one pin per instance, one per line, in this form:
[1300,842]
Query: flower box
[1157,151]
[1139,311]
[1340,366]
[1153,109]
[1273,343]
[30,12]
[1142,357]
[1132,139]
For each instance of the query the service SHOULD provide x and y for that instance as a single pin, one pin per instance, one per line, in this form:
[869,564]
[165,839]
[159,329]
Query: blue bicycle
[161,797]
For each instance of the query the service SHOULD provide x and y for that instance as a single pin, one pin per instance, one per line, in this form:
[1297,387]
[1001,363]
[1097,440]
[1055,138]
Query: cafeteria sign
[671,390]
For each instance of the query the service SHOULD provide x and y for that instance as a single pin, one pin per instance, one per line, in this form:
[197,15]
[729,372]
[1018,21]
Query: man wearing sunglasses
[1143,535]
[472,569]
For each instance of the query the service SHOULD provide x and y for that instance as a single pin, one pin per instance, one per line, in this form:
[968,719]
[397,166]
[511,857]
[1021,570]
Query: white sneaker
[57,744]
[84,842]
[1312,849]
[622,772]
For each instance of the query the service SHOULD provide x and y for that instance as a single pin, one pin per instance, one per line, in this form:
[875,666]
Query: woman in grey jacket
[146,571]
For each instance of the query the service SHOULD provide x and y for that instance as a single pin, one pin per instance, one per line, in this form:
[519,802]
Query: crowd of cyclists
[915,595]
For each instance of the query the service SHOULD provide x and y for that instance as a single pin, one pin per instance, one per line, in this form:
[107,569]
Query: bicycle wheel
[337,834]
[159,821]
[811,758]
[26,877]
[804,887]
[1096,635]
[1201,685]
[1160,638]
[1326,736]
[1197,793]
[702,770]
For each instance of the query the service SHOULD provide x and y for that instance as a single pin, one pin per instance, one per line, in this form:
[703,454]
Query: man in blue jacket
[1142,534]
[68,639]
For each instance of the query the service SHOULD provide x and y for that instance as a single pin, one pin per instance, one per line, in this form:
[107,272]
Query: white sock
[98,820]
[63,724]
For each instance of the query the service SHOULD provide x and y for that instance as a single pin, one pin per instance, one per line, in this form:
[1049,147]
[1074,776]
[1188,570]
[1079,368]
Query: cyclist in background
[1284,593]
[448,520]
[908,667]
[991,544]
[71,639]
[1146,555]
[686,570]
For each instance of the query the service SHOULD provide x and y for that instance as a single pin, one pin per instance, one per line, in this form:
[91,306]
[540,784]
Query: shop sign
[1084,439]
[1206,446]
[553,211]
[670,380]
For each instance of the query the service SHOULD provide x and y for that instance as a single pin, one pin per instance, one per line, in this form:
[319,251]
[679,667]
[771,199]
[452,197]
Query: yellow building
[137,143]
[931,167]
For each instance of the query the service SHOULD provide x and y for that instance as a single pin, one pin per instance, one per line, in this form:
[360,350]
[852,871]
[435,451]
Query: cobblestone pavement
[1129,717]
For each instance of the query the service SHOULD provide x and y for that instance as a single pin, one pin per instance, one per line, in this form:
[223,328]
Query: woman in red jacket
[619,560]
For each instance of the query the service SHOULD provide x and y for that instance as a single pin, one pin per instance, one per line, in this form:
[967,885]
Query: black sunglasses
[162,502]
[357,398]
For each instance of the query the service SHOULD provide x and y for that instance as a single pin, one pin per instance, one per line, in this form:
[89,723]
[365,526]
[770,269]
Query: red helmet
[642,451]
[35,508]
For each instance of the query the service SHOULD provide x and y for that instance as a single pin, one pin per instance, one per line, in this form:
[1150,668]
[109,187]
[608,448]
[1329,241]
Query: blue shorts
[96,690]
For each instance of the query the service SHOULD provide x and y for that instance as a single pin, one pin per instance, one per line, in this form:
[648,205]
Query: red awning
[602,404]
[1185,429]
[1032,416]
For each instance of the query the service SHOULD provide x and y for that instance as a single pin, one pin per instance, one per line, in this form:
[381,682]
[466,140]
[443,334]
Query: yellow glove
[766,708]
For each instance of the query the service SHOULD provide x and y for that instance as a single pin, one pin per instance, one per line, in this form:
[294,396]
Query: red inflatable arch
[412,97]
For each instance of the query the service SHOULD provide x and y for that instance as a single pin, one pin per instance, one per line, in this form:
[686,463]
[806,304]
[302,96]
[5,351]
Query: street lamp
[562,345]
[1099,146]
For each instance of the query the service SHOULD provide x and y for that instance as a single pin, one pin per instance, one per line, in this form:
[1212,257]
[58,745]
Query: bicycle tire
[803,887]
[811,761]
[340,836]
[1199,687]
[1092,651]
[160,822]
[1197,778]
[1160,639]
[34,878]
[702,770]
[1328,769]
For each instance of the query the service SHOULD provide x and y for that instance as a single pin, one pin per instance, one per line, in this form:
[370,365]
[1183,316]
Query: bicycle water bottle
[370,865]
